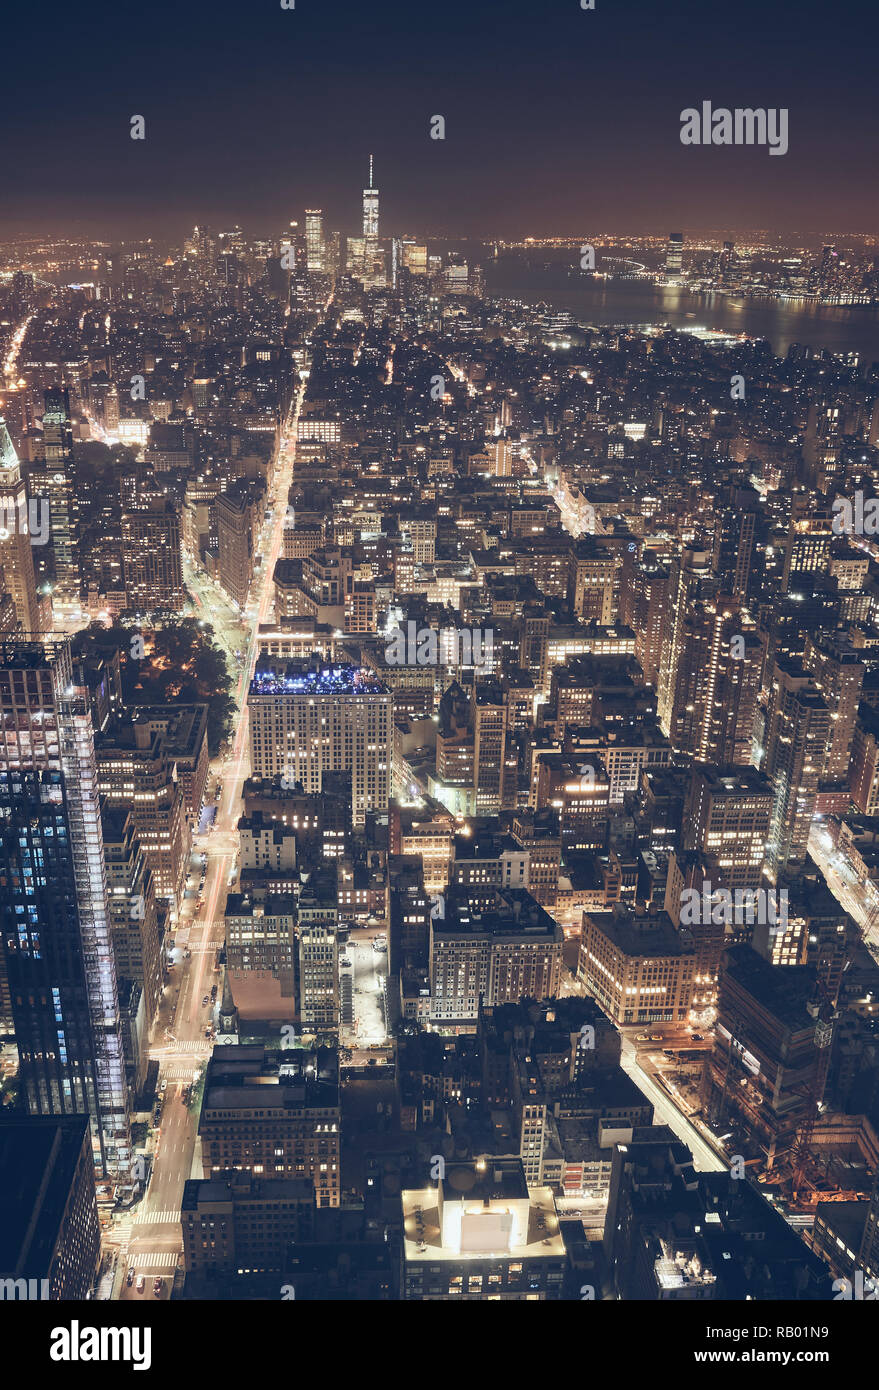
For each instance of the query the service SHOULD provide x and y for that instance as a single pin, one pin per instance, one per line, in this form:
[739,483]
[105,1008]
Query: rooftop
[327,680]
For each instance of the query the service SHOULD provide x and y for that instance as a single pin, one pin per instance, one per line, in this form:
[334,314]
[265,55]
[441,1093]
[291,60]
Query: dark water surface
[782,322]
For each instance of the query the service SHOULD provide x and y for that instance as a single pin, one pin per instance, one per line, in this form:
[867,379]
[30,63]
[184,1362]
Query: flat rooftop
[327,680]
[542,1241]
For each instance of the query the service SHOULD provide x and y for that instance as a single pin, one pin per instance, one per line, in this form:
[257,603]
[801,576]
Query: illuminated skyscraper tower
[314,241]
[373,268]
[53,907]
[53,480]
[370,212]
[16,540]
[674,256]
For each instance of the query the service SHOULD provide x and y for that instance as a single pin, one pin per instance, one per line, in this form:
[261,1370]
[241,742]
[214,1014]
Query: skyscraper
[304,723]
[314,241]
[16,540]
[674,256]
[727,816]
[372,272]
[691,579]
[53,480]
[797,736]
[151,557]
[55,917]
[714,702]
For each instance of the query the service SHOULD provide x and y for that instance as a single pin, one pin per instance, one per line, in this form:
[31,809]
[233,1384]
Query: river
[781,322]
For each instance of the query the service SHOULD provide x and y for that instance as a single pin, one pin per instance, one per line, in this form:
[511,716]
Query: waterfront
[781,322]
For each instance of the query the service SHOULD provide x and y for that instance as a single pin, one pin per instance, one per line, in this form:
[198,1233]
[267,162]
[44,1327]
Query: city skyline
[439,669]
[524,153]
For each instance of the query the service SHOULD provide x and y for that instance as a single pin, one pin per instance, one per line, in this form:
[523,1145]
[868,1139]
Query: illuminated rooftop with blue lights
[327,680]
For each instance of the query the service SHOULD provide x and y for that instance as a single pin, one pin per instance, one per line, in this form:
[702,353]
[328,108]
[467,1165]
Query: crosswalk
[149,1261]
[191,1045]
[157,1218]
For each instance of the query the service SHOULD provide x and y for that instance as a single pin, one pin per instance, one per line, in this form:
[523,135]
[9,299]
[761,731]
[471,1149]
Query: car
[130,1279]
[372,1062]
[158,1286]
[141,1284]
[208,1032]
[655,1037]
[697,1037]
[642,1037]
[163,1085]
[206,1000]
[213,992]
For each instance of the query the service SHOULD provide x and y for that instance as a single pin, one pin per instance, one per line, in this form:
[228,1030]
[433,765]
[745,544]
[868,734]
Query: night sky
[559,120]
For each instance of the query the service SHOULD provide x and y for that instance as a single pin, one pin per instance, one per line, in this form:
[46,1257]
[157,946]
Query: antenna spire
[370,171]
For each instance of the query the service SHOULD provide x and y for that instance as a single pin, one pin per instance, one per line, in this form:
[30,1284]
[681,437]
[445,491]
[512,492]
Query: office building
[17,540]
[674,256]
[305,722]
[50,1239]
[727,817]
[274,1121]
[52,478]
[152,559]
[235,1223]
[798,731]
[314,241]
[57,935]
[494,944]
[481,1234]
[640,968]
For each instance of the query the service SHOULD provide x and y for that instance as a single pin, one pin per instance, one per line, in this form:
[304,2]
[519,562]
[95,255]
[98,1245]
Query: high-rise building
[692,578]
[838,671]
[717,684]
[739,541]
[319,951]
[373,261]
[863,778]
[764,1061]
[677,1235]
[727,816]
[797,734]
[17,538]
[308,721]
[52,478]
[152,559]
[491,943]
[239,515]
[641,969]
[238,1222]
[414,257]
[57,936]
[136,771]
[314,241]
[644,598]
[50,1238]
[133,915]
[489,744]
[674,256]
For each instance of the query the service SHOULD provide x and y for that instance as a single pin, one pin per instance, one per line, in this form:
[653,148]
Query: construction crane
[825,1014]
